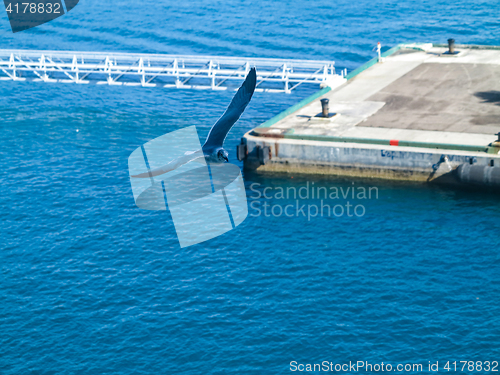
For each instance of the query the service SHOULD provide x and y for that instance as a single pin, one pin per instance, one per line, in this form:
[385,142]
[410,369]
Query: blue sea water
[90,284]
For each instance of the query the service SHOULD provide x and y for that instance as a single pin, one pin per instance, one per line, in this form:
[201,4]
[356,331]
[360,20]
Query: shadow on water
[489,96]
[460,191]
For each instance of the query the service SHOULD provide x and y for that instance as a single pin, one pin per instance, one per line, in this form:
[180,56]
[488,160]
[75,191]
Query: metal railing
[148,70]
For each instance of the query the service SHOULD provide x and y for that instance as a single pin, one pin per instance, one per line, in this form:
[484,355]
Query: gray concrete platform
[417,100]
[460,97]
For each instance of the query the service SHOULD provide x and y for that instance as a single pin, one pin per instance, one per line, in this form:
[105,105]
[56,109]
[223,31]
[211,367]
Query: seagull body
[213,151]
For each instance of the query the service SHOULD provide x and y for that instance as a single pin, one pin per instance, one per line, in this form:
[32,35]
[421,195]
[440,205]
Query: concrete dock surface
[435,110]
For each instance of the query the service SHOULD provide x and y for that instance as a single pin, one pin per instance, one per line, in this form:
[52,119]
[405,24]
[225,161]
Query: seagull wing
[240,101]
[174,164]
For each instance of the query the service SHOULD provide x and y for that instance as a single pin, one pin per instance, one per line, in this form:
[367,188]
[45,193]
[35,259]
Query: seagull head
[222,156]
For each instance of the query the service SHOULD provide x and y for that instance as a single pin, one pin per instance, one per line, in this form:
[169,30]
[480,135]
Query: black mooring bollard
[451,46]
[324,107]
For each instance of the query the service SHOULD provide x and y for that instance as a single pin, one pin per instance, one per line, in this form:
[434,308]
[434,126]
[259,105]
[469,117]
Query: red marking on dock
[394,142]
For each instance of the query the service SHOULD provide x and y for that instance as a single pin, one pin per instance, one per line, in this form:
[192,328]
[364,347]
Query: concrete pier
[417,114]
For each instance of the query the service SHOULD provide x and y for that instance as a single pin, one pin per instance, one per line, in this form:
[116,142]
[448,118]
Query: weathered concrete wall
[350,159]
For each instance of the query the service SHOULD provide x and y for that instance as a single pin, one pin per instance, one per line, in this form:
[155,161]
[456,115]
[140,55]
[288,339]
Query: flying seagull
[212,150]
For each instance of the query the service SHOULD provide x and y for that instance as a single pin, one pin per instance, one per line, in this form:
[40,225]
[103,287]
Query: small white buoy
[77,130]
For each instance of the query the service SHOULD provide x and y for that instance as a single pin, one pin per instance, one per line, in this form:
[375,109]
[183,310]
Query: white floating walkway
[177,71]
